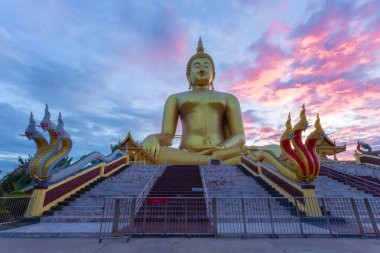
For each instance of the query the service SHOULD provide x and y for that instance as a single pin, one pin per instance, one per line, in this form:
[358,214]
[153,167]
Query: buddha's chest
[200,103]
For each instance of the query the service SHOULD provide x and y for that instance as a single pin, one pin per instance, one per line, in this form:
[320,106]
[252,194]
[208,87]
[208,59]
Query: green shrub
[5,215]
[16,193]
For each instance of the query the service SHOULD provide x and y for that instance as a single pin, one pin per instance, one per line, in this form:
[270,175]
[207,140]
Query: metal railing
[159,171]
[117,216]
[15,208]
[205,192]
[242,217]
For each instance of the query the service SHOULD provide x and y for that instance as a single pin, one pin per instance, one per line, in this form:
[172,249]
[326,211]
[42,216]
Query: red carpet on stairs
[175,204]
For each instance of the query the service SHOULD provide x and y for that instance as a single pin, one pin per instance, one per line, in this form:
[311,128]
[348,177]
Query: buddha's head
[200,70]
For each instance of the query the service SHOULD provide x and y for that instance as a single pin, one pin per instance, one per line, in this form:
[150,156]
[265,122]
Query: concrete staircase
[369,186]
[326,187]
[178,181]
[336,196]
[88,206]
[360,170]
[231,184]
[186,182]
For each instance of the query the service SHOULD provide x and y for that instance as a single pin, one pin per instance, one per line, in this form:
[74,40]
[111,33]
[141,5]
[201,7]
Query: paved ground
[184,245]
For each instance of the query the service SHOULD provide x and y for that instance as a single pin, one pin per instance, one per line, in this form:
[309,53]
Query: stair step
[87,204]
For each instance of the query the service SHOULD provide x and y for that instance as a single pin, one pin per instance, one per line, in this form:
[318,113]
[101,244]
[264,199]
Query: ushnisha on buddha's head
[200,70]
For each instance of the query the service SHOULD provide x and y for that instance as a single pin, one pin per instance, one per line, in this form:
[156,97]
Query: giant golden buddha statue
[212,125]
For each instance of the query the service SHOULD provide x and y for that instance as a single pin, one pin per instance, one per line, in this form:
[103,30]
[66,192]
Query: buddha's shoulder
[179,95]
[187,94]
[224,94]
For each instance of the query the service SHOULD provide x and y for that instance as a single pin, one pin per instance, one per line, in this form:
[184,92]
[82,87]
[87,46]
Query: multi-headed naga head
[59,130]
[364,145]
[318,127]
[289,133]
[318,133]
[46,124]
[31,130]
[303,124]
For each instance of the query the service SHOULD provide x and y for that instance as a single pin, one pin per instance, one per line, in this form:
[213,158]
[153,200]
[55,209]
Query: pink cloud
[326,65]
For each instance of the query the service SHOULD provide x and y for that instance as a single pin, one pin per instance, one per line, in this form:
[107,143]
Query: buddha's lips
[201,73]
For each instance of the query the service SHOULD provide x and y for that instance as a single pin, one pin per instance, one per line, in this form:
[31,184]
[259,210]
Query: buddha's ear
[190,85]
[212,85]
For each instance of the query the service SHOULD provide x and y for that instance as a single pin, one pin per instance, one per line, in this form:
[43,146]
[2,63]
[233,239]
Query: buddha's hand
[245,149]
[208,149]
[151,145]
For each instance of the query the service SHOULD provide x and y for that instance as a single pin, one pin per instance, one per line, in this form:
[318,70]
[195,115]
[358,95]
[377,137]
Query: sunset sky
[108,66]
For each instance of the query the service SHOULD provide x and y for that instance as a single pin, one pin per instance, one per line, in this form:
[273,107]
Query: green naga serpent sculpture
[299,161]
[43,166]
[368,149]
[32,134]
[51,148]
[48,155]
[64,148]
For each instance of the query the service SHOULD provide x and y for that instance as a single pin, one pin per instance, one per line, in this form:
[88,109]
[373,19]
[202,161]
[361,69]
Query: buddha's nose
[201,72]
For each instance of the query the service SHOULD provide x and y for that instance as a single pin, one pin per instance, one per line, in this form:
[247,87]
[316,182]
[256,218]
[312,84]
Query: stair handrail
[356,177]
[205,191]
[372,187]
[343,167]
[140,199]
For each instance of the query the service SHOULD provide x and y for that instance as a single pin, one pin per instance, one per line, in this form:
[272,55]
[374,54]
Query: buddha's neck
[201,87]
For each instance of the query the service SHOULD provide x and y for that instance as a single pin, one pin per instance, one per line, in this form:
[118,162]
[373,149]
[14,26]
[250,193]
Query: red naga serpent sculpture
[299,161]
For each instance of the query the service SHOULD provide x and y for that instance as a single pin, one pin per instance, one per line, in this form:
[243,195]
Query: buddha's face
[201,72]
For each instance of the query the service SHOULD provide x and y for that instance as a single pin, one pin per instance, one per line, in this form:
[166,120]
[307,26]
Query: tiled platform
[53,230]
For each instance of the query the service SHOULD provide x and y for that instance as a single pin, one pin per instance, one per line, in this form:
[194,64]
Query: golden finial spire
[31,120]
[200,48]
[60,120]
[303,112]
[317,124]
[288,123]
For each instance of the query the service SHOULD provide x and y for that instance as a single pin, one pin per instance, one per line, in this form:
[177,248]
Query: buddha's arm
[235,124]
[170,118]
[153,142]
